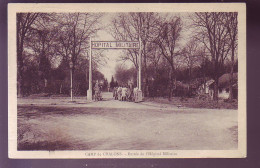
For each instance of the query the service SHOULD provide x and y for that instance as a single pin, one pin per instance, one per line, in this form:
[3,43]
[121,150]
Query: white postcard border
[140,7]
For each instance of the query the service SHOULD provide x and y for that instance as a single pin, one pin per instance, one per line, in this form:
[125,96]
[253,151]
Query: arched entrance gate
[115,45]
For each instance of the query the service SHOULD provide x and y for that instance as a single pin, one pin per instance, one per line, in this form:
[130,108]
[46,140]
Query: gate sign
[114,45]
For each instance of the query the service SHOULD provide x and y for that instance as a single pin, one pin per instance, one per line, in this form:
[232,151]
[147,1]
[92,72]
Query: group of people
[124,93]
[121,93]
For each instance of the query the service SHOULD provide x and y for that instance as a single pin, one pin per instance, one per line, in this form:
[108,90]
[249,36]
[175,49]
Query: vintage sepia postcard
[127,80]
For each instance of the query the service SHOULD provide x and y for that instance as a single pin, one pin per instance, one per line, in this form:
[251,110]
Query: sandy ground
[57,124]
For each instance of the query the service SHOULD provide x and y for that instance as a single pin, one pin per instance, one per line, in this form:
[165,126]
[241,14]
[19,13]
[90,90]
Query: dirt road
[56,124]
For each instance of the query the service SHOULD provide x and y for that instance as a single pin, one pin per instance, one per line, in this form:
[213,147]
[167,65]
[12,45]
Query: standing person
[115,95]
[96,89]
[119,92]
[100,92]
[128,93]
[124,90]
[131,93]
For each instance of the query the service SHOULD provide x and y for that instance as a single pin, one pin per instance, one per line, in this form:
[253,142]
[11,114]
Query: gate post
[140,67]
[89,92]
[139,92]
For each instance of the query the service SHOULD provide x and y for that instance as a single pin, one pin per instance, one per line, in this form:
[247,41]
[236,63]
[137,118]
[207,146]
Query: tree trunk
[20,81]
[231,75]
[204,83]
[137,77]
[216,76]
[170,83]
[215,94]
[19,88]
[230,85]
[146,93]
[60,88]
[190,81]
[45,80]
[18,50]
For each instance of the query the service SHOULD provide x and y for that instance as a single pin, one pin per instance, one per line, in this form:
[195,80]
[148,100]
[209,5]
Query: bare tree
[24,23]
[154,57]
[73,42]
[121,30]
[230,21]
[41,40]
[75,31]
[210,30]
[191,54]
[167,40]
[131,27]
[204,64]
[54,39]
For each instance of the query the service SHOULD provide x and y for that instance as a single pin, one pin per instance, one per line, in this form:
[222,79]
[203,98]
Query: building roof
[209,82]
[224,80]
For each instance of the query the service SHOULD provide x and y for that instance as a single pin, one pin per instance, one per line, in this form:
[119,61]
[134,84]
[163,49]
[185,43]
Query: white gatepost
[139,92]
[140,67]
[89,92]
